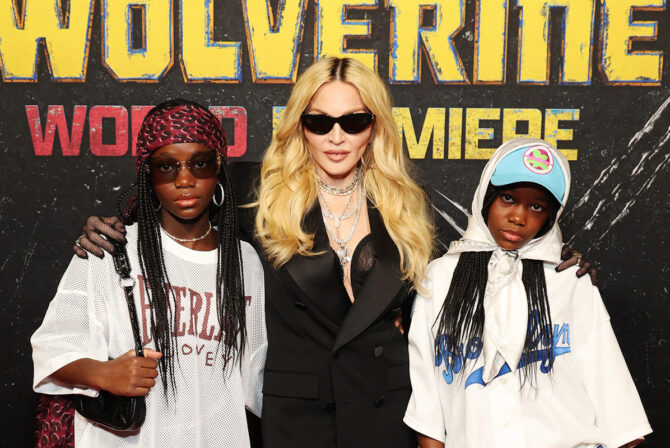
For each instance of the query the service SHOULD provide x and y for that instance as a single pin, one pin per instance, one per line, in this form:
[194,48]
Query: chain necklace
[189,240]
[346,214]
[339,191]
[343,251]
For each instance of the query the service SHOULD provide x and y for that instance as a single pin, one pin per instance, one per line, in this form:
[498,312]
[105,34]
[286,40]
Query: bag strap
[122,266]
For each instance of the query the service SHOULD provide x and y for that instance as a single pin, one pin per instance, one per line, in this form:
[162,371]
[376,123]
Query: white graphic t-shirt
[88,318]
[587,398]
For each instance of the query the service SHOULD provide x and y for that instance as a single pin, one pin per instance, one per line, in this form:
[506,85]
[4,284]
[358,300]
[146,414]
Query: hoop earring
[219,203]
[157,207]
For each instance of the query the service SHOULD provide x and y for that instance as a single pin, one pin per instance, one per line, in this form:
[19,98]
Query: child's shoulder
[571,294]
[442,263]
[567,278]
[248,249]
[250,256]
[438,275]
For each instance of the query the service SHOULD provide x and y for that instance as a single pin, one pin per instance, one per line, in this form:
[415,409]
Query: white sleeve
[74,327]
[257,342]
[424,411]
[619,412]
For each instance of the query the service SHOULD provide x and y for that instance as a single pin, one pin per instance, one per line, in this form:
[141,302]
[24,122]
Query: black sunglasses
[350,123]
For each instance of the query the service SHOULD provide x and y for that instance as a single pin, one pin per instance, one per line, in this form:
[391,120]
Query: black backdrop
[618,209]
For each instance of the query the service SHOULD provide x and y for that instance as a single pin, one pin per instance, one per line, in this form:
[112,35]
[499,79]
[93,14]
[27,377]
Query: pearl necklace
[189,240]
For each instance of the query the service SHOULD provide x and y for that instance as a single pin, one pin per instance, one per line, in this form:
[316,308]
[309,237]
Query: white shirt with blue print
[587,398]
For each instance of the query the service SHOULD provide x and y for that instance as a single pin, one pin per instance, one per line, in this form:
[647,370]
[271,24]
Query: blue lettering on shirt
[453,361]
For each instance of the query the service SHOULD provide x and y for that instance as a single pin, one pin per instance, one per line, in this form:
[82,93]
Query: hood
[477,236]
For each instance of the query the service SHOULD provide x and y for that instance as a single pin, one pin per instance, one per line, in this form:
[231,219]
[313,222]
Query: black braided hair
[230,300]
[461,318]
[460,323]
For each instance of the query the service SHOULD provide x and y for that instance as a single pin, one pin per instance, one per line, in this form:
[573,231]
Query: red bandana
[185,123]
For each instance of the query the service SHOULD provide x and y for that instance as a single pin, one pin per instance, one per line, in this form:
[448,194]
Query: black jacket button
[330,406]
[300,305]
[379,402]
[378,351]
[336,354]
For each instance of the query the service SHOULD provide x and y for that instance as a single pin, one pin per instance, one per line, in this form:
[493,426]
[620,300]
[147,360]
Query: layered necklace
[349,210]
[189,240]
[339,191]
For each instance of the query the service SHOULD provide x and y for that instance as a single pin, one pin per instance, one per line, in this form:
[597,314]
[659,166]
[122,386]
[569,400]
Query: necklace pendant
[336,220]
[343,255]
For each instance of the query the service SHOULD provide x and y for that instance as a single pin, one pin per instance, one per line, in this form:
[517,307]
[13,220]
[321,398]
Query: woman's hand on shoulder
[93,236]
[131,375]
[572,257]
[398,323]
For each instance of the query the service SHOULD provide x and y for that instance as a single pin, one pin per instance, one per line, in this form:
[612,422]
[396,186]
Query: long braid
[231,305]
[540,329]
[461,318]
[157,285]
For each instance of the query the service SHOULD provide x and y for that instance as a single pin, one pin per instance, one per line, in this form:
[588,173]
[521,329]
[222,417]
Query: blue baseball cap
[535,163]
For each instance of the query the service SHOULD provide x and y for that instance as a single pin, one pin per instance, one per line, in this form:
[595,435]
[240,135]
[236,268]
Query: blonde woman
[346,234]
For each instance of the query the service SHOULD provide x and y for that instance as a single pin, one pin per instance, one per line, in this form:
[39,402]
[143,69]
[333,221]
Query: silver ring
[78,241]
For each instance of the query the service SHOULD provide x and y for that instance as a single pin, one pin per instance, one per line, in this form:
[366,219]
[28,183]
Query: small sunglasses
[350,123]
[201,166]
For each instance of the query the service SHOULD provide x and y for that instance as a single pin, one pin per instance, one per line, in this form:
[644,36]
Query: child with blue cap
[505,351]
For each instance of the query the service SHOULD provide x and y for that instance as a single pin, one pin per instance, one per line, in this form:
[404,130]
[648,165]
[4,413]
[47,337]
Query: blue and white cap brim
[535,163]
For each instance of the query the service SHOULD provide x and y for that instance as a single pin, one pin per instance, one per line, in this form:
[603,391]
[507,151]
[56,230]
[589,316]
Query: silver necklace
[346,214]
[189,240]
[339,191]
[343,251]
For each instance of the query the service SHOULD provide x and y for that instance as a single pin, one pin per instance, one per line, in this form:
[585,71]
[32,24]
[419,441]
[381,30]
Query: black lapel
[316,276]
[380,288]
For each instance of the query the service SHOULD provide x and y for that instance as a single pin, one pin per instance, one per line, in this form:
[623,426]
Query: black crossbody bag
[117,412]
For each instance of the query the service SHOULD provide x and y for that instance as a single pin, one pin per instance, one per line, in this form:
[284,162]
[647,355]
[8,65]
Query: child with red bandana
[198,292]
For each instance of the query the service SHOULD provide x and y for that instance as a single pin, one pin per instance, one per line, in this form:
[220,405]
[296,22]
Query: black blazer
[330,385]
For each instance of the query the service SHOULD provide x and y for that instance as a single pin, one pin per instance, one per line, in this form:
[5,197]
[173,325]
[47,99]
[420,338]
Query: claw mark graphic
[614,193]
[624,180]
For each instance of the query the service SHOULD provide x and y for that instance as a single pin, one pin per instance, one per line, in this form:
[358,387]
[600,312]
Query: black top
[362,262]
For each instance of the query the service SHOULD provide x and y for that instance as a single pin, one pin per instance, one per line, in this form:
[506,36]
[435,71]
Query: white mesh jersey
[88,318]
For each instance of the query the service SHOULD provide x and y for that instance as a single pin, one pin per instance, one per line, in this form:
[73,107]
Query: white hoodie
[586,399]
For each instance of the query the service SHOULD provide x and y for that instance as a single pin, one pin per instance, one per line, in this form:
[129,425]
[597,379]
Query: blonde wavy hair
[288,190]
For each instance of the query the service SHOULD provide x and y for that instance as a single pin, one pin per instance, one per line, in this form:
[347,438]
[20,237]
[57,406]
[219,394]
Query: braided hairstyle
[461,318]
[142,208]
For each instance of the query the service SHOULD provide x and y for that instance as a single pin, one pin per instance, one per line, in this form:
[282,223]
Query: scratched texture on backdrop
[464,76]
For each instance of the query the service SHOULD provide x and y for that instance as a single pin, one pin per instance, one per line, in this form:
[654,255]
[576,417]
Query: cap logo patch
[538,159]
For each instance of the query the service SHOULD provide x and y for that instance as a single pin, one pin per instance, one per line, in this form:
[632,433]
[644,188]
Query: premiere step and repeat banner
[590,76]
